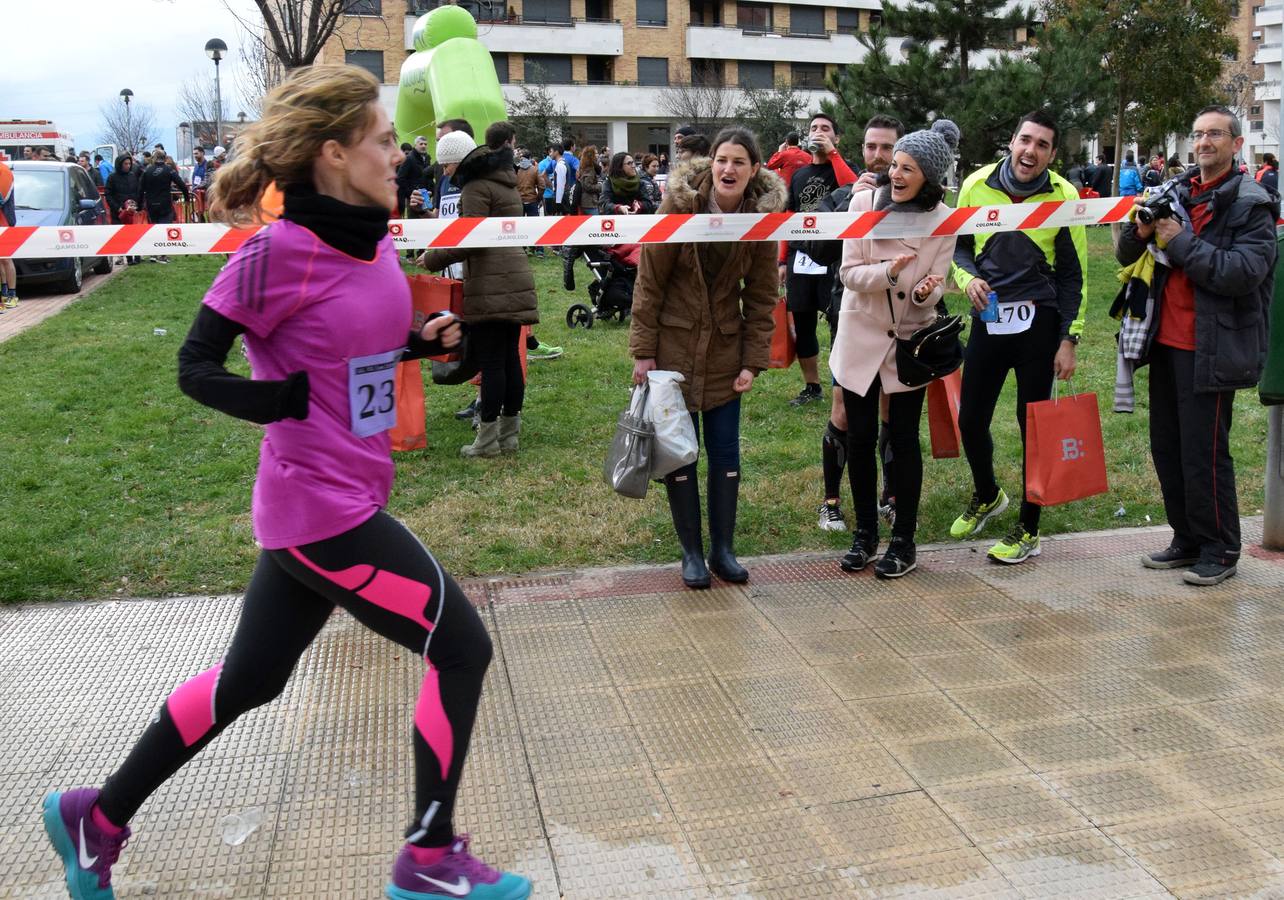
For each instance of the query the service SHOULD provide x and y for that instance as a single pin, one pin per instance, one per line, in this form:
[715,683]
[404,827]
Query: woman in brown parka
[499,291]
[705,310]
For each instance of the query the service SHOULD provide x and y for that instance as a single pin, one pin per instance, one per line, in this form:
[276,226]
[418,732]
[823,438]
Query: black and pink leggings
[381,574]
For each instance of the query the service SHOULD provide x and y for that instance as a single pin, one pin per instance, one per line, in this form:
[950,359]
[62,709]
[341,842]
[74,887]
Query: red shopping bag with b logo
[1064,454]
[943,415]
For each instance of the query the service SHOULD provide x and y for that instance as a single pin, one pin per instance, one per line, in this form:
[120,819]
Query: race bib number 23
[372,392]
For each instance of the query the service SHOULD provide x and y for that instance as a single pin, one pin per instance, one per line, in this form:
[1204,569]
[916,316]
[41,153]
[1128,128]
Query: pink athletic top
[307,306]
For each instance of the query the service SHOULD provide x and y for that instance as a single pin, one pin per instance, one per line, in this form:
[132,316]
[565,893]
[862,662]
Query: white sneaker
[831,518]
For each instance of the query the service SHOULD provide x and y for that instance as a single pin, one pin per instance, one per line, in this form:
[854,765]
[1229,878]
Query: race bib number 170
[372,392]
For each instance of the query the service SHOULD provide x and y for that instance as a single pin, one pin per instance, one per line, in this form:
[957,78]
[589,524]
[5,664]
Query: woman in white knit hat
[891,288]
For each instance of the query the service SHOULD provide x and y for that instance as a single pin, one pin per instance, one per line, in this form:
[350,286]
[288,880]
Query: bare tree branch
[197,103]
[705,104]
[295,31]
[259,72]
[130,127]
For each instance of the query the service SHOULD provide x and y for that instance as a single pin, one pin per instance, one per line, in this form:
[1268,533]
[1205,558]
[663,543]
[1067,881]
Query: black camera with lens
[1152,209]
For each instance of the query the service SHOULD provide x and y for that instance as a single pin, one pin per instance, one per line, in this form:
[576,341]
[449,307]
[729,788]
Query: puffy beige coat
[865,345]
[708,335]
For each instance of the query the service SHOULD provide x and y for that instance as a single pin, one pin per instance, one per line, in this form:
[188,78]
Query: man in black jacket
[155,186]
[1207,339]
[414,172]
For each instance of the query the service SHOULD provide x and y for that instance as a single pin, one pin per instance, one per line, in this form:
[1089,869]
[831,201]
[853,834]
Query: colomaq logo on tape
[67,240]
[991,220]
[607,230]
[173,238]
[508,231]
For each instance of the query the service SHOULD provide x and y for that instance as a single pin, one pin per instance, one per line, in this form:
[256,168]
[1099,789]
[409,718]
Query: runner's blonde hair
[312,106]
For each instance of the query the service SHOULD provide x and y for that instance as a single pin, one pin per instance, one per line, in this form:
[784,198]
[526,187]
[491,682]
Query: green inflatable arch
[449,76]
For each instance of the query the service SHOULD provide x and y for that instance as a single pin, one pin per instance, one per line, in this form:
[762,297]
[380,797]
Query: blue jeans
[721,435]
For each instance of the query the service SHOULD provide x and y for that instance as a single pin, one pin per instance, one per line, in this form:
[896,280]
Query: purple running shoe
[457,876]
[87,852]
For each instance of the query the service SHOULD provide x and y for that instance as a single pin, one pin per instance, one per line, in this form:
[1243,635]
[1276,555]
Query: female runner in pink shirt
[325,312]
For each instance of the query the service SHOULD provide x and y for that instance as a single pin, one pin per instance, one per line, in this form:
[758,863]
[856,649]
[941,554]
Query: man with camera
[1213,234]
[807,283]
[1032,285]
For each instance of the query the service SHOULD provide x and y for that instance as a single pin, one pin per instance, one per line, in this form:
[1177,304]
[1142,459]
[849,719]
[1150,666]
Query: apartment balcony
[1266,90]
[1267,54]
[619,101]
[732,42]
[518,35]
[1269,14]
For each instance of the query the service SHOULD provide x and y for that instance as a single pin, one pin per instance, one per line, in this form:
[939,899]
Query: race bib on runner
[372,392]
[805,265]
[1014,318]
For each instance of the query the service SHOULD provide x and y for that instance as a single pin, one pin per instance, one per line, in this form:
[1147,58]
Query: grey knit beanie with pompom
[932,149]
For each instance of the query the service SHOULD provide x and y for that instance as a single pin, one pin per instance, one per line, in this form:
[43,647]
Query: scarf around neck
[354,230]
[1015,188]
[883,201]
[624,185]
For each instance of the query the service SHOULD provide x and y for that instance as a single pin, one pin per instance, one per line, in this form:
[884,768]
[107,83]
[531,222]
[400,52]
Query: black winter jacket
[156,182]
[1231,265]
[122,186]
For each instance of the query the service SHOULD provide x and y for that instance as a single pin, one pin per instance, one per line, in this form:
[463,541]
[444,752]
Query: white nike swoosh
[86,861]
[461,888]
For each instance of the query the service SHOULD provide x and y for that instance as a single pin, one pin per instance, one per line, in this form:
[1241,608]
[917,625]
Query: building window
[808,75]
[600,69]
[653,70]
[363,8]
[806,20]
[597,11]
[1255,110]
[653,12]
[1256,126]
[1234,9]
[875,20]
[557,12]
[755,74]
[753,16]
[370,60]
[548,67]
[501,66]
[848,21]
[708,72]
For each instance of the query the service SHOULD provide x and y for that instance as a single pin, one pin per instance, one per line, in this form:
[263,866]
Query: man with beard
[808,283]
[1039,277]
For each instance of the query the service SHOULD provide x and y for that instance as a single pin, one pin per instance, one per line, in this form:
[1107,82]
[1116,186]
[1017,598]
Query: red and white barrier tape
[140,240]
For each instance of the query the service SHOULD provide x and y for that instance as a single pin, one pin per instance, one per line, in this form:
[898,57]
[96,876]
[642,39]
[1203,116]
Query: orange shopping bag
[428,294]
[411,430]
[1064,453]
[783,351]
[943,415]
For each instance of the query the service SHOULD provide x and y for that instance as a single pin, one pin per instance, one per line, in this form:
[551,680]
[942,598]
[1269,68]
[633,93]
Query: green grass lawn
[115,484]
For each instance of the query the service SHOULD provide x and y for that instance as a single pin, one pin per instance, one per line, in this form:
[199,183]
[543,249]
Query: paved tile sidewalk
[1073,727]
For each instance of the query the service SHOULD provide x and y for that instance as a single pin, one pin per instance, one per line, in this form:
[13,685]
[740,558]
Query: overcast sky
[64,70]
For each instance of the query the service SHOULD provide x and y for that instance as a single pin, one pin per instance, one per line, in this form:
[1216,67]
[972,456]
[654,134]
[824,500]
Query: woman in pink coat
[891,288]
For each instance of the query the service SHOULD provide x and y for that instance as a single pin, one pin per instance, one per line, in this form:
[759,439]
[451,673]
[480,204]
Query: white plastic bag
[675,437]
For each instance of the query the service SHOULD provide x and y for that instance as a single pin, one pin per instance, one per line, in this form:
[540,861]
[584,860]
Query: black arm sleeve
[203,377]
[418,348]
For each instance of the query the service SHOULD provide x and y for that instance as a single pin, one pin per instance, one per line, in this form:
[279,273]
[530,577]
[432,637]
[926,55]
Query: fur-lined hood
[687,190]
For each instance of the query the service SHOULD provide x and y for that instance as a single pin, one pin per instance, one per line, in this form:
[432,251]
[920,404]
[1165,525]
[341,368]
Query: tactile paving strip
[963,873]
[956,758]
[1123,792]
[1006,808]
[1073,865]
[1061,744]
[1155,732]
[1193,851]
[912,716]
[893,827]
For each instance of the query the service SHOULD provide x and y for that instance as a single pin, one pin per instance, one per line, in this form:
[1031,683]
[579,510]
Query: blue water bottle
[991,311]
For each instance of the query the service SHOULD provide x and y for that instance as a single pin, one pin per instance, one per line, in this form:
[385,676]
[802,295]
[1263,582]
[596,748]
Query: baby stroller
[614,270]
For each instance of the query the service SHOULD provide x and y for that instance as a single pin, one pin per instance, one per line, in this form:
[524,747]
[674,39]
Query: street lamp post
[125,94]
[215,49]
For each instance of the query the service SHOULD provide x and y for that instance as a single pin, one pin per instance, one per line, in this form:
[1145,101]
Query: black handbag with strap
[931,352]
